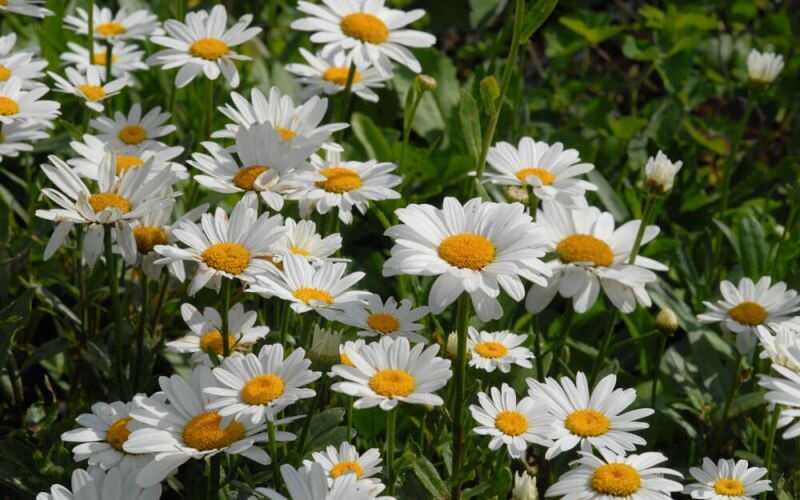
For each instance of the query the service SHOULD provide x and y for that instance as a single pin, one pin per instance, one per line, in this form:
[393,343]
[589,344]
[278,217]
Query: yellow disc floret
[246,177]
[490,349]
[467,251]
[543,175]
[585,248]
[346,467]
[393,383]
[111,29]
[209,49]
[748,313]
[232,258]
[211,342]
[587,423]
[729,487]
[383,322]
[5,73]
[365,27]
[132,134]
[118,433]
[511,422]
[127,162]
[147,237]
[92,93]
[619,480]
[103,201]
[8,106]
[307,295]
[203,432]
[286,133]
[338,76]
[339,180]
[101,58]
[263,389]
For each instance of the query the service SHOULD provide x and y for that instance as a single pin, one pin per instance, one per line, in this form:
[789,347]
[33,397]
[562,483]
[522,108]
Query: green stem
[82,307]
[91,31]
[730,161]
[768,451]
[273,450]
[226,305]
[210,111]
[462,322]
[603,351]
[349,418]
[649,205]
[109,59]
[735,383]
[562,339]
[343,113]
[790,221]
[408,120]
[162,292]
[662,345]
[391,430]
[212,491]
[113,284]
[137,374]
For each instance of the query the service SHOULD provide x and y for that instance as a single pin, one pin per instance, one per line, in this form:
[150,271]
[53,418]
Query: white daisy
[93,151]
[88,86]
[18,105]
[589,418]
[257,388]
[322,288]
[124,25]
[25,7]
[727,480]
[176,425]
[347,460]
[94,483]
[591,254]
[133,129]
[477,248]
[497,350]
[367,30]
[510,423]
[660,173]
[344,185]
[550,170]
[763,67]
[783,388]
[18,137]
[328,75]
[310,483]
[302,239]
[782,347]
[23,65]
[375,318]
[125,59]
[203,45]
[609,476]
[226,248]
[389,372]
[354,345]
[748,305]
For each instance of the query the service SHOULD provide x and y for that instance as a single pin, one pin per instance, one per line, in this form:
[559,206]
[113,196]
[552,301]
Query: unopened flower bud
[524,487]
[764,67]
[452,345]
[490,93]
[660,173]
[426,83]
[325,347]
[667,321]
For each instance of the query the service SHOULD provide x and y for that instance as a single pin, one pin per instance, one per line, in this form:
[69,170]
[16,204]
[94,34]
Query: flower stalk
[459,379]
[391,430]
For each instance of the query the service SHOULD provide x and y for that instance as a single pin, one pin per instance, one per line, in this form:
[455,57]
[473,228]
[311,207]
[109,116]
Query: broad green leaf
[371,138]
[470,120]
[593,35]
[608,196]
[535,17]
[429,477]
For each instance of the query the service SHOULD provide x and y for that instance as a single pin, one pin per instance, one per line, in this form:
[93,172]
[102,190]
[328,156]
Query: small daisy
[477,248]
[307,287]
[344,185]
[375,318]
[176,425]
[203,45]
[328,75]
[92,153]
[632,477]
[88,87]
[123,25]
[133,129]
[226,248]
[94,483]
[591,255]
[23,65]
[367,30]
[347,460]
[311,483]
[302,239]
[594,418]
[25,105]
[497,350]
[125,59]
[784,389]
[391,371]
[660,173]
[550,170]
[727,480]
[18,137]
[763,67]
[510,423]
[25,7]
[204,338]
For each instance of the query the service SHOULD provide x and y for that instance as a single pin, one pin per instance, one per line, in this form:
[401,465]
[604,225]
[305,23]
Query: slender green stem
[562,339]
[162,292]
[787,229]
[91,30]
[770,445]
[113,284]
[226,305]
[408,120]
[662,345]
[137,374]
[730,161]
[391,430]
[603,351]
[343,112]
[735,383]
[459,378]
[83,306]
[649,205]
[109,59]
[349,418]
[273,451]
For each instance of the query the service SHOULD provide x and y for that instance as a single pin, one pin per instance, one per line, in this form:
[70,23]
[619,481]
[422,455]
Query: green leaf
[593,35]
[535,17]
[429,477]
[371,138]
[608,196]
[470,119]
[13,318]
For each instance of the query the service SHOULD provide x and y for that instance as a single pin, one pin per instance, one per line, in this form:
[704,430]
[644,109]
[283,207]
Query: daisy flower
[510,423]
[375,318]
[550,170]
[344,185]
[591,255]
[477,248]
[589,418]
[727,480]
[781,348]
[204,338]
[93,483]
[93,151]
[389,372]
[763,67]
[350,345]
[257,388]
[311,483]
[497,350]
[367,30]
[783,388]
[175,426]
[347,460]
[745,307]
[632,477]
[17,104]
[328,75]
[22,65]
[203,45]
[18,137]
[660,173]
[302,239]
[125,59]
[88,86]
[133,129]
[25,7]
[123,25]
[225,248]
[307,287]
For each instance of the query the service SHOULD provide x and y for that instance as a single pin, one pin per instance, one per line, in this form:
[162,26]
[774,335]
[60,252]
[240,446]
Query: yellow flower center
[511,422]
[101,58]
[467,251]
[246,177]
[286,134]
[619,480]
[209,49]
[365,27]
[339,180]
[587,423]
[211,342]
[491,349]
[132,134]
[308,295]
[8,106]
[729,487]
[5,73]
[749,313]
[147,237]
[203,432]
[546,177]
[346,467]
[585,248]
[296,250]
[339,76]
[103,201]
[92,92]
[232,258]
[345,359]
[393,383]
[118,433]
[127,162]
[384,323]
[110,29]
[263,389]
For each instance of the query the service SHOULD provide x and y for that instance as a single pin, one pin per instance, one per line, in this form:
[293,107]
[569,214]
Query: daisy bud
[452,345]
[763,67]
[426,83]
[516,193]
[325,346]
[490,92]
[660,173]
[667,321]
[524,487]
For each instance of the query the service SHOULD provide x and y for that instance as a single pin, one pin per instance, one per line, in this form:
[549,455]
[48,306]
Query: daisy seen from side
[727,480]
[375,318]
[92,151]
[346,459]
[19,137]
[133,128]
[328,75]
[303,240]
[114,27]
[490,351]
[89,87]
[27,106]
[125,59]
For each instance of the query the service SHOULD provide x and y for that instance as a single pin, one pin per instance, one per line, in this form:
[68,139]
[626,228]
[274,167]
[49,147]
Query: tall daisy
[477,248]
[92,152]
[133,129]
[328,75]
[204,45]
[367,30]
[375,318]
[590,255]
[20,64]
[389,372]
[111,27]
[94,483]
[346,459]
[125,59]
[584,417]
[727,480]
[302,239]
[18,105]
[89,87]
[19,137]
[25,7]
[490,351]
[745,307]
